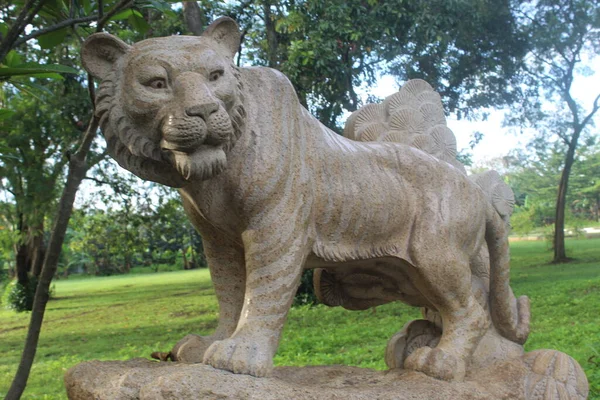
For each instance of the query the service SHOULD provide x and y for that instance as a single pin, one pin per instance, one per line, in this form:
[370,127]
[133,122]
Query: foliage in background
[19,297]
[563,37]
[127,235]
[34,142]
[44,107]
[329,49]
[533,173]
[305,295]
[54,16]
[585,183]
[4,279]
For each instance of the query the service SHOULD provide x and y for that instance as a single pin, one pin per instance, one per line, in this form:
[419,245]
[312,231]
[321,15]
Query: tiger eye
[159,83]
[215,75]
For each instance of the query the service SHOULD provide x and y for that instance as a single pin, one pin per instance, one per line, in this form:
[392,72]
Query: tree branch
[30,9]
[564,138]
[60,25]
[595,108]
[118,7]
[541,76]
[543,60]
[242,38]
[98,181]
[563,55]
[90,133]
[572,104]
[20,149]
[8,190]
[95,159]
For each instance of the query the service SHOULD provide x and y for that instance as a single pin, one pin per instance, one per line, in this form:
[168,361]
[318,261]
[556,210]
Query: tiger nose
[202,110]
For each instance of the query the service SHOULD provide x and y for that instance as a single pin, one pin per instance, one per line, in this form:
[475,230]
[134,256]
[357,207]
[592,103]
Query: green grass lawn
[130,316]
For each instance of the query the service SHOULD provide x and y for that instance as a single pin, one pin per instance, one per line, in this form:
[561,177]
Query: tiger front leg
[227,270]
[273,275]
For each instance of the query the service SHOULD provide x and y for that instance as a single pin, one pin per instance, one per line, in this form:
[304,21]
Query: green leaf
[138,23]
[12,59]
[159,5]
[55,9]
[48,75]
[125,14]
[34,87]
[3,29]
[87,6]
[52,39]
[4,113]
[25,87]
[39,87]
[32,69]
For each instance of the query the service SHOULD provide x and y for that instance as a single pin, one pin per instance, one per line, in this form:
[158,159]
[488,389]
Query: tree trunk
[30,253]
[185,260]
[77,171]
[21,264]
[29,263]
[126,265]
[560,254]
[272,42]
[193,17]
[36,250]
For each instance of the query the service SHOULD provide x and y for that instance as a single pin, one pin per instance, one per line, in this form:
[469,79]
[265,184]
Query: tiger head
[170,108]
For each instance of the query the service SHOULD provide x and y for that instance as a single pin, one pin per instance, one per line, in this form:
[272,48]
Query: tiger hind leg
[447,285]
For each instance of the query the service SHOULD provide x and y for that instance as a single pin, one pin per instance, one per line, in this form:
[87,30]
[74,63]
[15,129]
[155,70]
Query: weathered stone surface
[148,380]
[143,379]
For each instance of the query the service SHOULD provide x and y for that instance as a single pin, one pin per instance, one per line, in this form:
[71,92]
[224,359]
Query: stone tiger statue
[272,191]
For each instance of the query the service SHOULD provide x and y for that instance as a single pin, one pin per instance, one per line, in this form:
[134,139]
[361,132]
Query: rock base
[540,375]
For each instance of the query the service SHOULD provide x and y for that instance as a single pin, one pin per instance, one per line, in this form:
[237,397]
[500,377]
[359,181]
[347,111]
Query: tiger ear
[226,33]
[99,53]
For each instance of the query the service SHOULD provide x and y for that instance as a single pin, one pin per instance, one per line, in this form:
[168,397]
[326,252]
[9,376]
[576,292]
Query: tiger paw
[241,356]
[436,363]
[414,335]
[191,348]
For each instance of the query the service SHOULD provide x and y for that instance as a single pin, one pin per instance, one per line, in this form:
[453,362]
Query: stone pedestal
[539,375]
